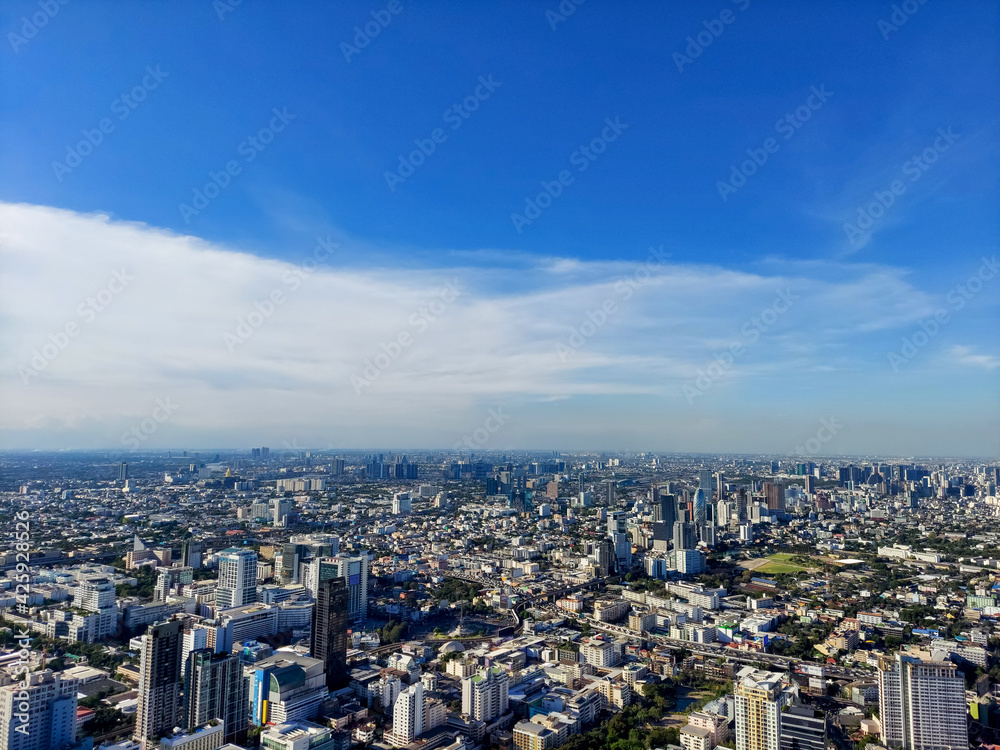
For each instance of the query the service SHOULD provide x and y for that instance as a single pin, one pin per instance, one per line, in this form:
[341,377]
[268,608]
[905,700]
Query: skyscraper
[921,703]
[760,697]
[237,578]
[484,695]
[159,681]
[191,553]
[329,630]
[38,712]
[775,496]
[122,471]
[214,688]
[700,506]
[401,503]
[684,536]
[354,570]
[803,728]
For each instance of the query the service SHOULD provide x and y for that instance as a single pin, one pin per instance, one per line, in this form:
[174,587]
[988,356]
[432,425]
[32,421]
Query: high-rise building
[159,681]
[237,578]
[286,687]
[191,552]
[774,494]
[215,688]
[354,570]
[760,698]
[665,510]
[609,491]
[122,471]
[684,536]
[169,580]
[401,504]
[484,695]
[701,506]
[408,715]
[921,703]
[803,728]
[329,630]
[38,712]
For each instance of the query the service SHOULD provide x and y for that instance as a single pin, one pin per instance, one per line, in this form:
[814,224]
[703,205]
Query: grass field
[780,562]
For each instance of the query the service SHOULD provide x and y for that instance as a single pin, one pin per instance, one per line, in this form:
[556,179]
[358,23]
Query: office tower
[159,681]
[774,494]
[604,556]
[684,536]
[665,509]
[214,688]
[95,594]
[484,695]
[237,578]
[803,728]
[921,703]
[354,571]
[408,715]
[122,471]
[191,552]
[706,482]
[616,522]
[169,580]
[401,504]
[708,534]
[623,552]
[286,687]
[328,641]
[760,698]
[700,506]
[719,489]
[38,712]
[609,491]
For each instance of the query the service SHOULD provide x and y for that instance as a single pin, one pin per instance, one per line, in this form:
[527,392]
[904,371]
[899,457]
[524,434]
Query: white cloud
[966,356]
[163,336]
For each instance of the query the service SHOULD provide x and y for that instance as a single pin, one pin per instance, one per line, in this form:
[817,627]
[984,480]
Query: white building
[921,703]
[484,695]
[408,716]
[48,702]
[237,578]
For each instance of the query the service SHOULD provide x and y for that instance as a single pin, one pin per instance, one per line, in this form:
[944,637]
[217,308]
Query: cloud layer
[101,318]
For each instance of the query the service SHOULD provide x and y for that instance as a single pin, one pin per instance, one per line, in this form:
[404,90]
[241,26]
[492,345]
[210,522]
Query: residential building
[921,703]
[38,712]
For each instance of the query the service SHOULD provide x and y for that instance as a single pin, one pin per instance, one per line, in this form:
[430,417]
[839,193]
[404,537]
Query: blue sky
[924,89]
